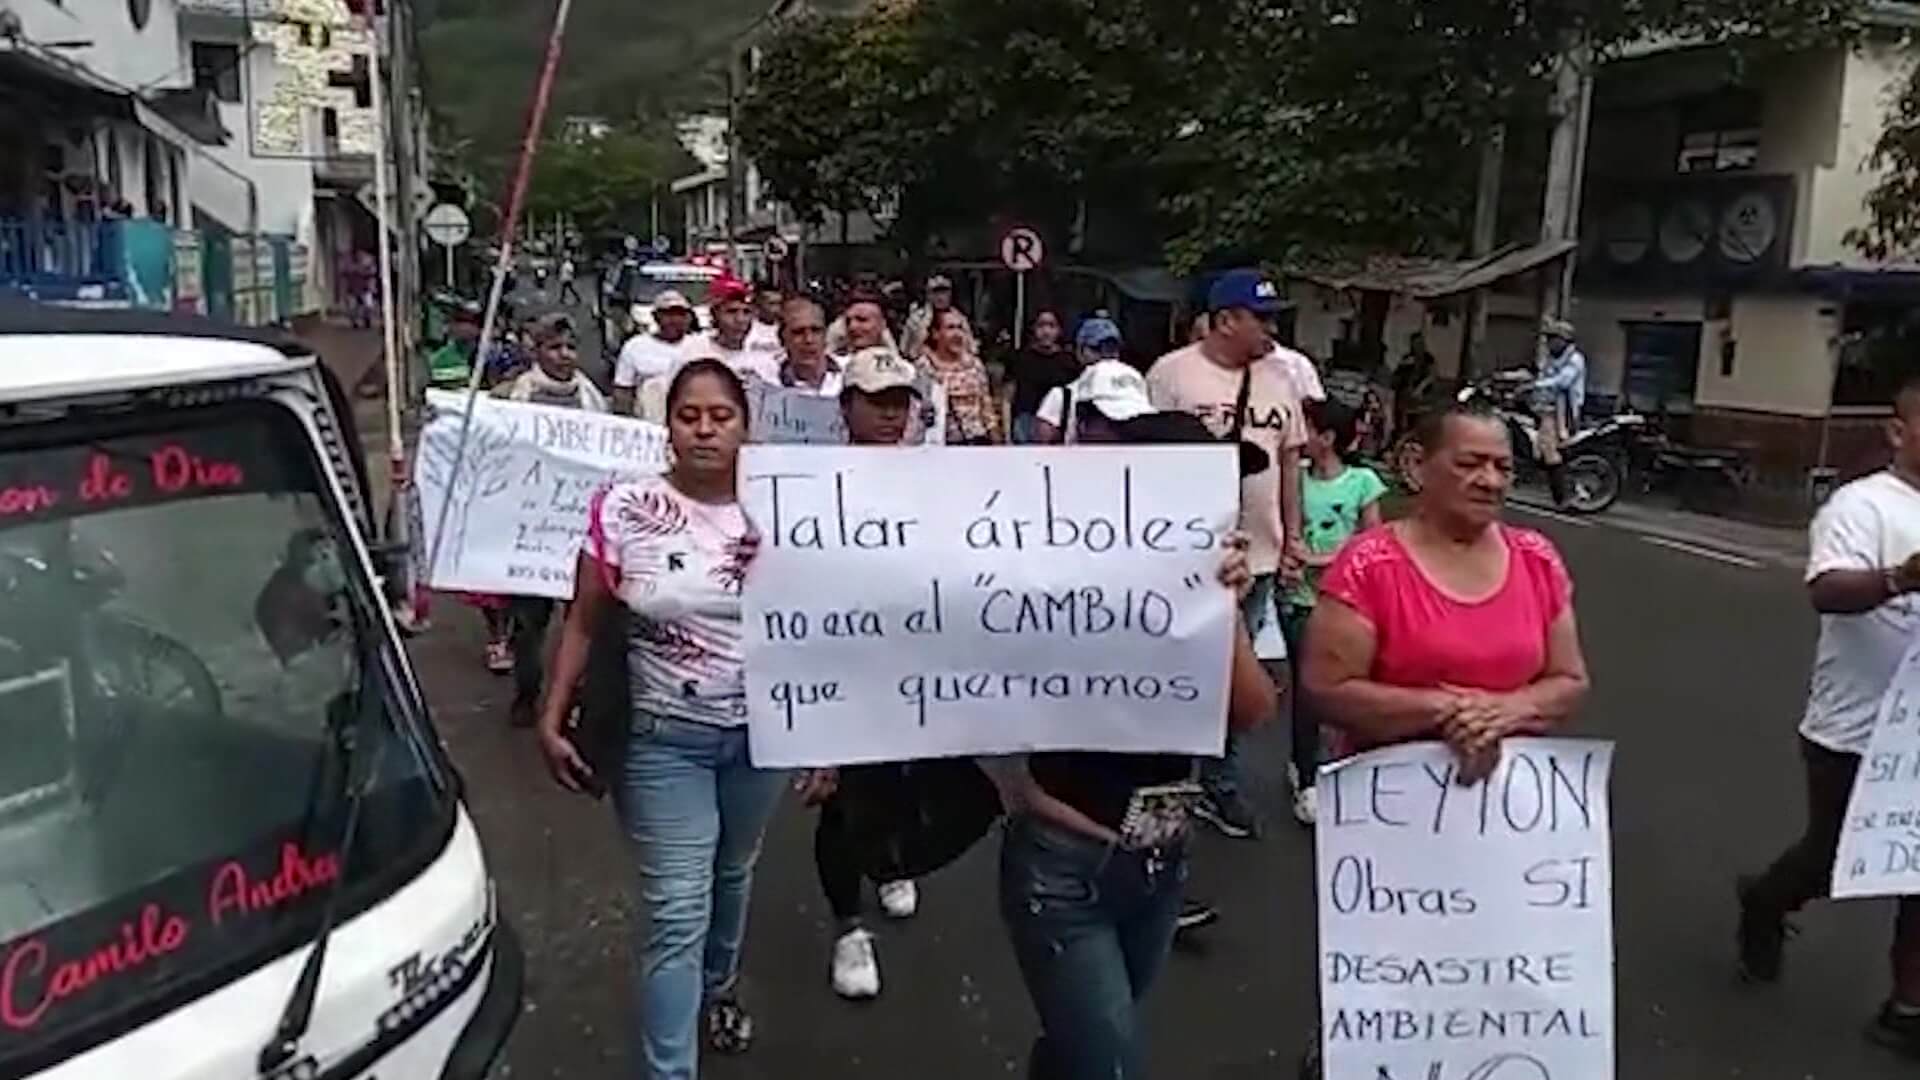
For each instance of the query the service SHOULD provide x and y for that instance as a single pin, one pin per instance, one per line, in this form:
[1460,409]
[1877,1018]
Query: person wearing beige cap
[878,392]
[1558,396]
[654,355]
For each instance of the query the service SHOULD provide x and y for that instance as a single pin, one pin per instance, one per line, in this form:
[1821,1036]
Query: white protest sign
[779,414]
[519,508]
[1466,933]
[1879,852]
[787,416]
[931,602]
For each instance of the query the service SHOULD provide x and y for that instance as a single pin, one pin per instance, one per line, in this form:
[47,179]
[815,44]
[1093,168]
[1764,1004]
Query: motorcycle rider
[1559,393]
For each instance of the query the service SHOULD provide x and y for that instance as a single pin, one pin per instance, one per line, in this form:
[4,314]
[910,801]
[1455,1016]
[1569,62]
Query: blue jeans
[1223,777]
[1091,926]
[1023,428]
[695,808]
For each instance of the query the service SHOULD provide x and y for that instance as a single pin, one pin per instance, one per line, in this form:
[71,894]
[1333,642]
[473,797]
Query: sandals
[729,1026]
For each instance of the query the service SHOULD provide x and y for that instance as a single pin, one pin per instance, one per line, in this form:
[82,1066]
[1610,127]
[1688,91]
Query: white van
[230,844]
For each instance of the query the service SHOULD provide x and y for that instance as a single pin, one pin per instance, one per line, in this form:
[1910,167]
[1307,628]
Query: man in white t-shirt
[1863,571]
[654,355]
[731,302]
[767,305]
[1299,367]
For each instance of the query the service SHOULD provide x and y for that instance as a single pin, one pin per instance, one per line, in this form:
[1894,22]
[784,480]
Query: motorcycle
[1595,460]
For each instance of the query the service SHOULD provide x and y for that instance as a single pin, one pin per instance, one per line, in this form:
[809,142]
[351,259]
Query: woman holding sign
[1094,865]
[655,630]
[1448,624]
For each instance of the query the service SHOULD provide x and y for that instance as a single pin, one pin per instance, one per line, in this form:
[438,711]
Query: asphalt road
[1699,669]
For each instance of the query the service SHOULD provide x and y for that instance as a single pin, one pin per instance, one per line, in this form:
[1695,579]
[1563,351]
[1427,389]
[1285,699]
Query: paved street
[1698,664]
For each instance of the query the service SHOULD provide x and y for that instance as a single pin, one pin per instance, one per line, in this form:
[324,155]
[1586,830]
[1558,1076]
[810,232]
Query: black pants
[1306,722]
[567,290]
[527,619]
[836,860]
[1804,871]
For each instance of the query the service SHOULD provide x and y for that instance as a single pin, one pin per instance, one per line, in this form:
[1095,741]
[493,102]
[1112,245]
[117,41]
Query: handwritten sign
[786,416]
[519,503]
[913,603]
[779,414]
[1879,852]
[1466,933]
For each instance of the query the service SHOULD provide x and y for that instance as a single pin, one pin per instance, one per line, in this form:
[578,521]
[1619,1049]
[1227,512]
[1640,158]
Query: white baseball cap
[671,300]
[878,369]
[1115,388]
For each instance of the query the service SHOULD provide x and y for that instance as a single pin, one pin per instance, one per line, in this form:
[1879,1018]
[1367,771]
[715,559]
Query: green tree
[1235,127]
[1893,205]
[607,184]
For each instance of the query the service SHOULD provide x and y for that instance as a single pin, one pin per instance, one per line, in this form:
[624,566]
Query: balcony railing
[63,259]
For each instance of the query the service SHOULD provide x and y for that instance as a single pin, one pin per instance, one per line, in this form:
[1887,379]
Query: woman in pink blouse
[1448,624]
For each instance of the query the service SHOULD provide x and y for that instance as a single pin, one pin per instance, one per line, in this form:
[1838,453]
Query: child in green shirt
[1337,500]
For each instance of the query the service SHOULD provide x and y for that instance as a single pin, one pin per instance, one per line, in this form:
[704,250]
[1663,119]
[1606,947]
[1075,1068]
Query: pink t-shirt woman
[1425,637]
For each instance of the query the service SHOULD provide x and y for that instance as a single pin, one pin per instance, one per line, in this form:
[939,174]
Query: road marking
[1541,511]
[1703,552]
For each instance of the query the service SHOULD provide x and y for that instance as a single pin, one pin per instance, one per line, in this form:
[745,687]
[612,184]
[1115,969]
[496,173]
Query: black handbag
[606,700]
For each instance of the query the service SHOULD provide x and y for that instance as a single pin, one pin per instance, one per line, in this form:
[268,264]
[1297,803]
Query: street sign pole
[1021,250]
[1019,309]
[449,250]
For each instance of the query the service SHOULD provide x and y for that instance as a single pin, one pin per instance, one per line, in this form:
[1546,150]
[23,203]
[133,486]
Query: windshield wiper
[346,715]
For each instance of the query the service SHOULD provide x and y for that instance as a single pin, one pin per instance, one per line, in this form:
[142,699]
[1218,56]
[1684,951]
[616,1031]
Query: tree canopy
[1228,126]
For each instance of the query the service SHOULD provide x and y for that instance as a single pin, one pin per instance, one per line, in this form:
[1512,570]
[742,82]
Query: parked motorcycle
[1596,460]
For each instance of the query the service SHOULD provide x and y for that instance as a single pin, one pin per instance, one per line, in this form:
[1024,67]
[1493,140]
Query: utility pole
[1571,110]
[736,176]
[1486,222]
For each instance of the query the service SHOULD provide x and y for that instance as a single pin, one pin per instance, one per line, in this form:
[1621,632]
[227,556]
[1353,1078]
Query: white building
[85,135]
[1715,280]
[289,81]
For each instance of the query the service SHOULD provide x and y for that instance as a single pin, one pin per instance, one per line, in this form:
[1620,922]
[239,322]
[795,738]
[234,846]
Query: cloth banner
[519,507]
[1879,852]
[1466,933]
[914,603]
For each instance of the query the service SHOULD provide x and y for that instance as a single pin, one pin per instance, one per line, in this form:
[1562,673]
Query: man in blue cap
[1234,381]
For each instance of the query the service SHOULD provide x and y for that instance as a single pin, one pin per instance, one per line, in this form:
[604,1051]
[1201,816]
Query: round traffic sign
[447,225]
[1021,249]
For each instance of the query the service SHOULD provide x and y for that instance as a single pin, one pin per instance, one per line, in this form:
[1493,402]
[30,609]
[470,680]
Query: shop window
[1879,343]
[216,69]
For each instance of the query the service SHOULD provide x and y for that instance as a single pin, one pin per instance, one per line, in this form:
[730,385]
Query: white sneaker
[856,968]
[1306,806]
[899,899]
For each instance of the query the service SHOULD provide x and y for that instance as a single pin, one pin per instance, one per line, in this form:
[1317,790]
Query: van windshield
[181,652]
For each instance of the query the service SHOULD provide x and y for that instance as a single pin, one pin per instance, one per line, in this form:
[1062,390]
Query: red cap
[726,288]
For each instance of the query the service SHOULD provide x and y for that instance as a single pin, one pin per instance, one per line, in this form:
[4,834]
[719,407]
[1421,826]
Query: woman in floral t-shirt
[973,413]
[673,551]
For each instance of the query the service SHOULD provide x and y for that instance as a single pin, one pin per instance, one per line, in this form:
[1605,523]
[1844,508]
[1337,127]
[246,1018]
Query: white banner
[782,415]
[915,602]
[519,509]
[1879,852]
[1467,933]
